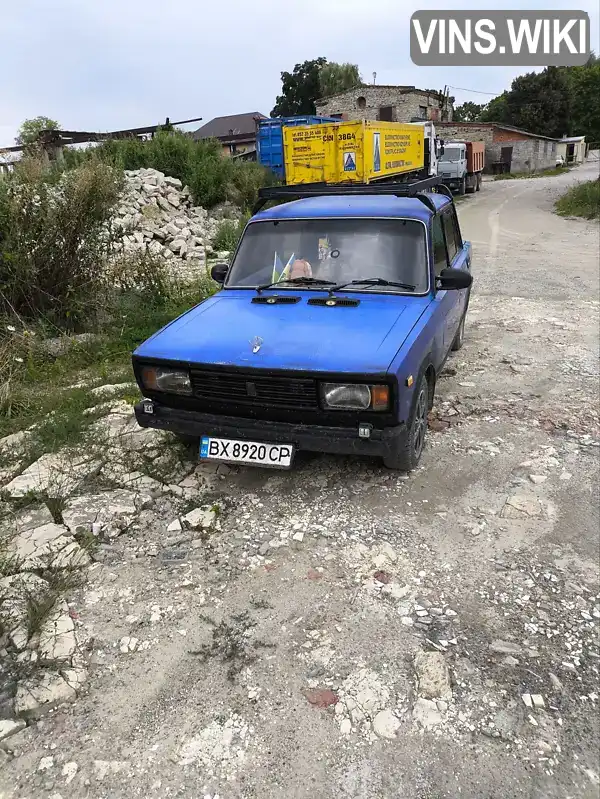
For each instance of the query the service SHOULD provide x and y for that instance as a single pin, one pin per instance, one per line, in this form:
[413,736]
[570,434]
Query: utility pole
[374,78]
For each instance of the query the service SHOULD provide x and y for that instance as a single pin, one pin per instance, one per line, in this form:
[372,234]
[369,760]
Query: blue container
[269,141]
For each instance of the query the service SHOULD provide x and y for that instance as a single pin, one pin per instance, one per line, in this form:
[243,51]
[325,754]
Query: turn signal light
[380,398]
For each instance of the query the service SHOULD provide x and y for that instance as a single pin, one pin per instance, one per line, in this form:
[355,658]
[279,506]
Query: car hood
[226,328]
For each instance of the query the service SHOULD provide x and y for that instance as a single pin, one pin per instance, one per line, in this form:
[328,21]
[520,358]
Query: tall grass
[54,237]
[582,199]
[212,178]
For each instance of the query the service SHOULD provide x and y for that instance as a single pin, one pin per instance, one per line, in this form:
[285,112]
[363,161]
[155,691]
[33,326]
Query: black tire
[462,189]
[459,338]
[408,454]
[479,182]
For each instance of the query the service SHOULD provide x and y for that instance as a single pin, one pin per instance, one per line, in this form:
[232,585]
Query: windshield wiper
[297,281]
[373,281]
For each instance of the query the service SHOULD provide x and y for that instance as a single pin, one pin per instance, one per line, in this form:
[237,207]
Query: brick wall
[366,103]
[528,153]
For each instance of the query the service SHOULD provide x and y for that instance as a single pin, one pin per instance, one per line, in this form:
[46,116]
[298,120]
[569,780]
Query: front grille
[254,390]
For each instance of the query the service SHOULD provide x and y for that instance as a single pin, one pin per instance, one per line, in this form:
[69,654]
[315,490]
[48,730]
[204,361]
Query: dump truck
[269,139]
[360,151]
[461,165]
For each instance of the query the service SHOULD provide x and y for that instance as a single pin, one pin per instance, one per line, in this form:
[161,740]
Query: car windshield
[336,250]
[451,154]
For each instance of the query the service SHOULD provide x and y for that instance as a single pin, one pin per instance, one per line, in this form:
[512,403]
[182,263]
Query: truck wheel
[462,188]
[408,454]
[479,181]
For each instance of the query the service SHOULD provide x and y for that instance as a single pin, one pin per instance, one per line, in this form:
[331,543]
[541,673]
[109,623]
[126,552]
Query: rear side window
[450,231]
[440,260]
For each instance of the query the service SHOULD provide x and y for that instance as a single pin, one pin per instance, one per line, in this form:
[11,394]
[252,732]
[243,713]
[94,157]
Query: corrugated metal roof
[495,125]
[232,125]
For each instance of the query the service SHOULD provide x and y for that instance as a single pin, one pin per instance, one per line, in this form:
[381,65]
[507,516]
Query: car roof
[371,205]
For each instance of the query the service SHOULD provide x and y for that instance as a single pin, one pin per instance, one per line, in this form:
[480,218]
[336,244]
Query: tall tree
[467,112]
[584,83]
[31,128]
[311,80]
[335,78]
[299,89]
[537,101]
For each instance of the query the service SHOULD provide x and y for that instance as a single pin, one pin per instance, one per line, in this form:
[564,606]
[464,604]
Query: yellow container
[351,152]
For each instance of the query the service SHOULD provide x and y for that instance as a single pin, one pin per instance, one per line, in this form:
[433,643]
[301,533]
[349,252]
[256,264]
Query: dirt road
[344,631]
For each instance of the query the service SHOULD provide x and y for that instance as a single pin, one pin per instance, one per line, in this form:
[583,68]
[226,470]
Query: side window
[440,260]
[451,235]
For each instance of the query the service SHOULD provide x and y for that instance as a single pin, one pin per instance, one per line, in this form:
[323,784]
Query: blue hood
[219,331]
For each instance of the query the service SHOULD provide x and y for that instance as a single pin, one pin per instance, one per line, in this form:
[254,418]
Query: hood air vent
[332,302]
[275,300]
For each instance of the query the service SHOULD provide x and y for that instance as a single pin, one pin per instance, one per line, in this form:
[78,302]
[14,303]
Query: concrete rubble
[156,214]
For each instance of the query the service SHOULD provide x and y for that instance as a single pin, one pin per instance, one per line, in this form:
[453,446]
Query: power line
[476,91]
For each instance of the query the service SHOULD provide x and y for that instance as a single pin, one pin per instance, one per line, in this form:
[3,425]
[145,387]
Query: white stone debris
[47,547]
[219,747]
[57,635]
[69,771]
[41,693]
[425,712]
[156,214]
[361,697]
[433,675]
[386,724]
[55,474]
[9,727]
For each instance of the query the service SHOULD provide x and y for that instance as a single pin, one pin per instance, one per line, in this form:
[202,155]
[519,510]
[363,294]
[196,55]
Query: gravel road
[344,631]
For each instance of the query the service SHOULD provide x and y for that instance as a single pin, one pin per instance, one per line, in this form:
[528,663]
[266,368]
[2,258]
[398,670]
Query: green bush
[228,233]
[54,236]
[582,199]
[212,178]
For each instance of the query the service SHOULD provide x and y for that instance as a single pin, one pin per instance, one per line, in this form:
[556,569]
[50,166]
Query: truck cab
[331,325]
[461,165]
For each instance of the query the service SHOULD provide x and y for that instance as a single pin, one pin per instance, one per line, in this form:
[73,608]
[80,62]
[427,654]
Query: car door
[459,257]
[444,300]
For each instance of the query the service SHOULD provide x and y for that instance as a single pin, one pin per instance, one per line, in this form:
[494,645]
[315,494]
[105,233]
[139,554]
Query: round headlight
[350,397]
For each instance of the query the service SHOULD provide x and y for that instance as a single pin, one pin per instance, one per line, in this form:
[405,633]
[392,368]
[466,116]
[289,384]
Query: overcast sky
[110,64]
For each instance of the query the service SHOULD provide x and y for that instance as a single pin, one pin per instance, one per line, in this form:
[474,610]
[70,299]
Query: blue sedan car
[334,320]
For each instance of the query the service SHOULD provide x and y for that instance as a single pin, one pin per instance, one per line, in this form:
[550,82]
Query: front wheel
[408,453]
[463,186]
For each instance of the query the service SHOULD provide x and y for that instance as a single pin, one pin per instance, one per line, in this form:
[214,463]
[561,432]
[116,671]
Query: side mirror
[219,273]
[454,279]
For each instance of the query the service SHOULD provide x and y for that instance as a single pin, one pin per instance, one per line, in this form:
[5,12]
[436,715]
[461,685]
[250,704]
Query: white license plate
[253,452]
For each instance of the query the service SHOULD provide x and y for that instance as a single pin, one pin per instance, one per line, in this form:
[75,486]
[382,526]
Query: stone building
[387,104]
[507,149]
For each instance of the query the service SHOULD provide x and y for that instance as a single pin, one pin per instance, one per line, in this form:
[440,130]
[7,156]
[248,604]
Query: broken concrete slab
[55,474]
[9,727]
[426,714]
[48,546]
[433,675]
[519,506]
[386,724]
[505,648]
[200,518]
[57,635]
[39,694]
[103,508]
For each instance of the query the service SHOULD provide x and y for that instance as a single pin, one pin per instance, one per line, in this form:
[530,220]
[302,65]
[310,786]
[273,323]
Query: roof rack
[416,188]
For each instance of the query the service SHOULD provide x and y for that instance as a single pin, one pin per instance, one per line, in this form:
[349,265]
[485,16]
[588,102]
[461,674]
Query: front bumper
[313,438]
